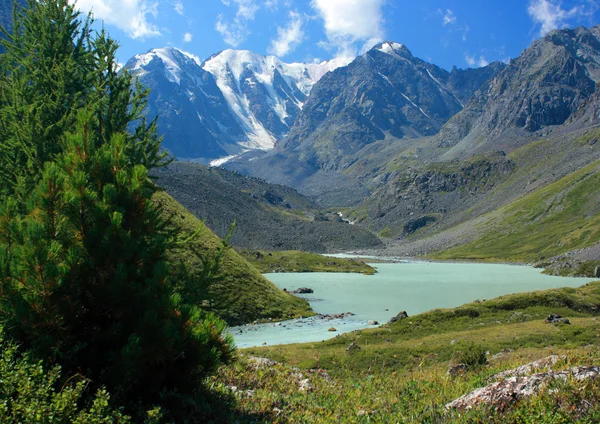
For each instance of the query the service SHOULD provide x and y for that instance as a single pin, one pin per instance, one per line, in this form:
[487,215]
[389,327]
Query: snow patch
[390,48]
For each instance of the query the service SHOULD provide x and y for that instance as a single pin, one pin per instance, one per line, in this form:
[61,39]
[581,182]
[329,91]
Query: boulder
[456,370]
[400,316]
[332,329]
[303,290]
[373,322]
[557,319]
[502,394]
[597,272]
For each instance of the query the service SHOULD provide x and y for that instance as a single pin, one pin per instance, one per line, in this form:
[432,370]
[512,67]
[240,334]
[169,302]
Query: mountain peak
[393,48]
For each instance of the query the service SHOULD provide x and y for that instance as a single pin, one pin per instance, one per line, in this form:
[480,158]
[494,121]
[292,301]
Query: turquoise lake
[412,286]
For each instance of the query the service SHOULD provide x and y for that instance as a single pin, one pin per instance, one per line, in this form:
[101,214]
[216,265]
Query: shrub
[28,393]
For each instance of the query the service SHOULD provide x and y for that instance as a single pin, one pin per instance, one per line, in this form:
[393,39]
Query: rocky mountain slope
[268,217]
[538,91]
[233,102]
[382,97]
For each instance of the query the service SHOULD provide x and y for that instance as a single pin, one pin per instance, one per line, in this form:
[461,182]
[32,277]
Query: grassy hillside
[243,295]
[399,372]
[295,261]
[555,219]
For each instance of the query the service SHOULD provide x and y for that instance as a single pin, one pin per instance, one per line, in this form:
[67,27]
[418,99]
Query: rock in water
[303,290]
[373,322]
[332,329]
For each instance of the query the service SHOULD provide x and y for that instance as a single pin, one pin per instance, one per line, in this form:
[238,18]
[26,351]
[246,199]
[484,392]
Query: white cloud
[288,38]
[274,4]
[127,15]
[477,62]
[187,37]
[235,32]
[178,6]
[448,17]
[550,15]
[351,25]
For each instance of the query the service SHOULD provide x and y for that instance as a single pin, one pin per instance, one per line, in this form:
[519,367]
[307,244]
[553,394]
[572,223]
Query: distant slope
[269,217]
[555,219]
[243,295]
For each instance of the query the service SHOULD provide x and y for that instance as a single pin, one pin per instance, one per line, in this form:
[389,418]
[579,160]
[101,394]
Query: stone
[332,329]
[556,319]
[502,394]
[352,347]
[305,385]
[373,322]
[459,369]
[400,316]
[597,272]
[303,290]
[257,362]
[529,368]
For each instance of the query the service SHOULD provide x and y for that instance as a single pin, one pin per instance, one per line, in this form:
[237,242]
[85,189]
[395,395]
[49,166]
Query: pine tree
[84,277]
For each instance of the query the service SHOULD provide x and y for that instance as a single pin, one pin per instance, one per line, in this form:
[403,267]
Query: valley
[252,238]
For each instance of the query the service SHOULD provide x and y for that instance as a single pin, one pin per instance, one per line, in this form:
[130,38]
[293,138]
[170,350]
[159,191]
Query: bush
[28,393]
[472,356]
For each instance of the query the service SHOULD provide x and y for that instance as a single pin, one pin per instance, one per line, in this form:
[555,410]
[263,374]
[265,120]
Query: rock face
[542,88]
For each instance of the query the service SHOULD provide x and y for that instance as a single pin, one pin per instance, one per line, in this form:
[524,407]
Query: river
[411,286]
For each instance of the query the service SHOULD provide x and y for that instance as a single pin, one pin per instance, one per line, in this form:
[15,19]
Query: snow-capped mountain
[265,93]
[233,102]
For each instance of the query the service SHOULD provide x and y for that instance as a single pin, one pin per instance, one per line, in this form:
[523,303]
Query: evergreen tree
[84,280]
[53,66]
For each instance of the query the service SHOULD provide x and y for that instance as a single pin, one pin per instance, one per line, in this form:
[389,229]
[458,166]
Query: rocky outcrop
[402,315]
[504,393]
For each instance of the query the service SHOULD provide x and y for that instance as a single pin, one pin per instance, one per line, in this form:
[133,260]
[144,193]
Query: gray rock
[373,322]
[352,347]
[506,392]
[456,370]
[557,319]
[400,316]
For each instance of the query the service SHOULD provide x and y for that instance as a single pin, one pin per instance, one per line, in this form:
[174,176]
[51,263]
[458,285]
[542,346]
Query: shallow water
[413,287]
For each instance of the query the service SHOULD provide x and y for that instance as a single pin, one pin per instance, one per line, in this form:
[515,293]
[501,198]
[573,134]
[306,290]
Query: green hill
[243,295]
[558,218]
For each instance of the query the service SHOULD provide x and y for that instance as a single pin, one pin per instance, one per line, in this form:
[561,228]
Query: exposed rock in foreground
[502,394]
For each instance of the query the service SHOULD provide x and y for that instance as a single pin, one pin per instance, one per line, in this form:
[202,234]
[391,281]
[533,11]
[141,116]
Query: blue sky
[465,33]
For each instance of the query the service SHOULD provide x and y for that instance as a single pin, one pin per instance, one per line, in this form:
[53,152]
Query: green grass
[399,374]
[555,219]
[296,261]
[243,295]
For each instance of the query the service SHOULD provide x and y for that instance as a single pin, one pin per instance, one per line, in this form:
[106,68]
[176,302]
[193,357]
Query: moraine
[413,287]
